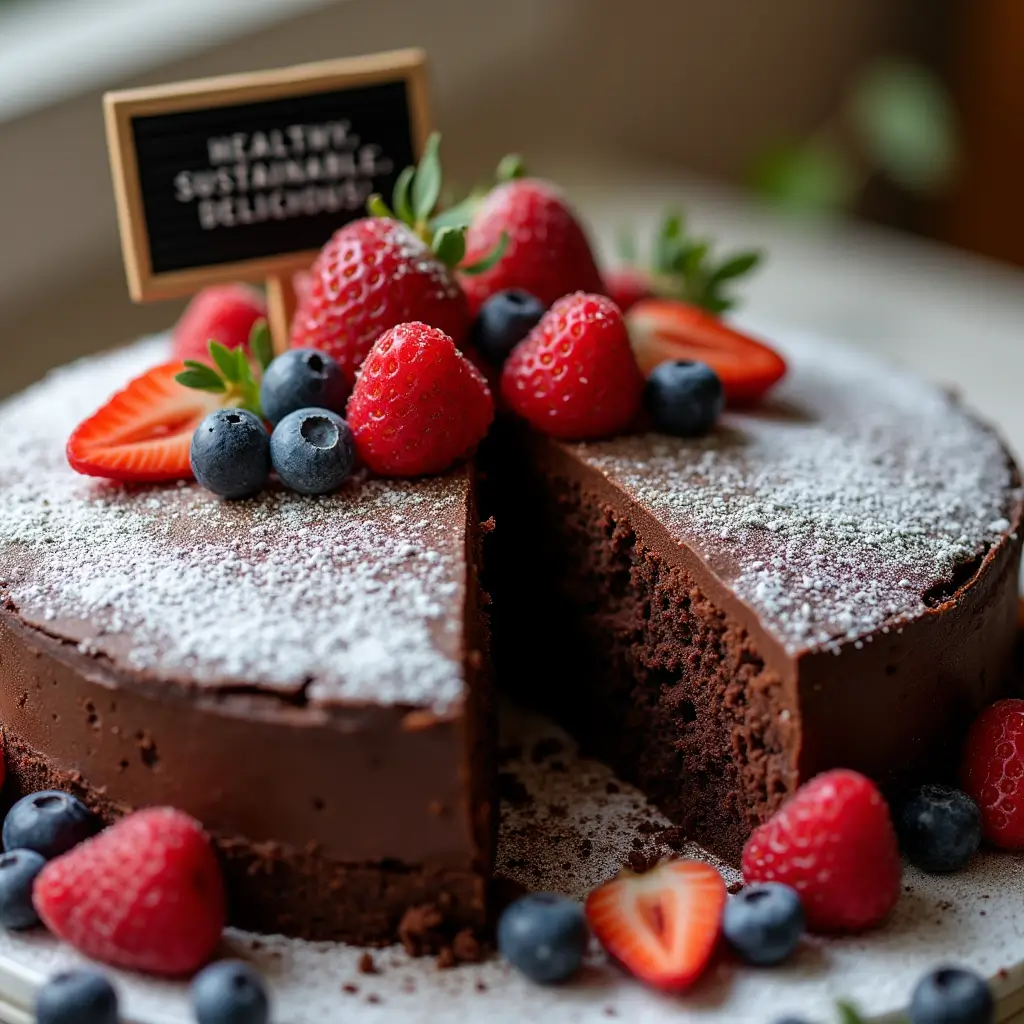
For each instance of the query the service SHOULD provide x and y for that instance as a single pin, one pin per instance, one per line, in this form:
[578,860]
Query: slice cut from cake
[830,579]
[306,676]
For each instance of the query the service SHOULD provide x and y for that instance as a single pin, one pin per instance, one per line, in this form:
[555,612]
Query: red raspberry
[145,894]
[374,274]
[222,312]
[574,376]
[992,772]
[419,405]
[835,844]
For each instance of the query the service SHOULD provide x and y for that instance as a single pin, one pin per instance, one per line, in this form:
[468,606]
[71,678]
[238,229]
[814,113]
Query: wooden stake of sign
[244,177]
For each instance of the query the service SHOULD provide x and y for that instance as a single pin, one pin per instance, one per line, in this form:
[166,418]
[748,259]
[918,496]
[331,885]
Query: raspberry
[835,844]
[222,312]
[992,772]
[419,405]
[145,894]
[575,376]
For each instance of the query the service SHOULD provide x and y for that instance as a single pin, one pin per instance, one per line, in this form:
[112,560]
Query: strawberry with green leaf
[144,432]
[395,266]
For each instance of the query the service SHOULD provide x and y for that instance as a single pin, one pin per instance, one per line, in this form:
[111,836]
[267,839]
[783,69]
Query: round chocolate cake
[830,579]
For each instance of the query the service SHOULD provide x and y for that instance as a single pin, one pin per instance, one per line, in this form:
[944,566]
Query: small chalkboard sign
[244,177]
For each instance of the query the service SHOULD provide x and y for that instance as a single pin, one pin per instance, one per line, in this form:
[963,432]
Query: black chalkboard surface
[245,177]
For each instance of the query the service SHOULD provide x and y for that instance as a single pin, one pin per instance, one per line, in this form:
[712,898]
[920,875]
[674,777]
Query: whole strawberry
[419,405]
[547,253]
[225,313]
[373,274]
[145,894]
[574,376]
[992,772]
[835,844]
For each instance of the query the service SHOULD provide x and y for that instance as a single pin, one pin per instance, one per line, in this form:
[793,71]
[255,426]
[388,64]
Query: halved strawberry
[144,432]
[664,329]
[662,926]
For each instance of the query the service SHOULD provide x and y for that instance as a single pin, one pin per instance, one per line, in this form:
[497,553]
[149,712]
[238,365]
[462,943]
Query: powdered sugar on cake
[351,597]
[833,510]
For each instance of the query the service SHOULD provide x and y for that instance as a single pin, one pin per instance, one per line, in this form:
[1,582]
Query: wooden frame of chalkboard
[199,143]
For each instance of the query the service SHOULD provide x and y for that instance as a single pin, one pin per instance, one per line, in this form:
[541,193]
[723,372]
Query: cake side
[306,676]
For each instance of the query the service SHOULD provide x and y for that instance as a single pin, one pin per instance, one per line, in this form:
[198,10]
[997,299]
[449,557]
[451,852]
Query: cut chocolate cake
[828,580]
[306,676]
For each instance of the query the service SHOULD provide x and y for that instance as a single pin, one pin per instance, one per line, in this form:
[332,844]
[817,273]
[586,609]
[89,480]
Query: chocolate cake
[306,676]
[830,579]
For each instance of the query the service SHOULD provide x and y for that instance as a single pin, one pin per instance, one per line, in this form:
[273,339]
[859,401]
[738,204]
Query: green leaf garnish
[400,198]
[203,379]
[848,1013]
[450,245]
[510,167]
[486,262]
[225,361]
[426,182]
[376,207]
[260,344]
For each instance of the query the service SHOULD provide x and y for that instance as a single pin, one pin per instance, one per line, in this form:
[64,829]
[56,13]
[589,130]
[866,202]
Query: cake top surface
[833,510]
[349,598]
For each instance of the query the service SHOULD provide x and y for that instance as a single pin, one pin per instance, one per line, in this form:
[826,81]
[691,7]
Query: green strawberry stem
[684,267]
[230,373]
[413,202]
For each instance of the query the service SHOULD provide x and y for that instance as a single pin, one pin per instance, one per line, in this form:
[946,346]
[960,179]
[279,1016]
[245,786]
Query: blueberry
[312,451]
[49,822]
[76,997]
[940,828]
[503,321]
[302,378]
[544,936]
[231,453]
[18,870]
[230,992]
[764,923]
[684,398]
[952,995]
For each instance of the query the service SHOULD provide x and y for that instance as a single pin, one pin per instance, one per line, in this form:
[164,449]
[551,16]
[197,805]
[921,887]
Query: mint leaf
[736,266]
[848,1014]
[203,378]
[225,361]
[458,216]
[260,344]
[426,183]
[486,262]
[400,199]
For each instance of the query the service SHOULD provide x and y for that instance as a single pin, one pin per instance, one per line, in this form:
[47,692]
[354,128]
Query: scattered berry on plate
[229,992]
[373,274]
[992,772]
[81,996]
[419,405]
[664,329]
[225,313]
[50,822]
[312,451]
[302,378]
[145,894]
[544,936]
[833,842]
[18,870]
[575,376]
[626,286]
[546,252]
[661,926]
[684,398]
[952,995]
[144,432]
[503,321]
[764,923]
[230,453]
[939,828]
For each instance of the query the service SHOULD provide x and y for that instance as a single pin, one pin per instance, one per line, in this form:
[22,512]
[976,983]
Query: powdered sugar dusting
[351,597]
[833,510]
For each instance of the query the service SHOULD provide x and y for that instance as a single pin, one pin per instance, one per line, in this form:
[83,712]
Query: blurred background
[874,148]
